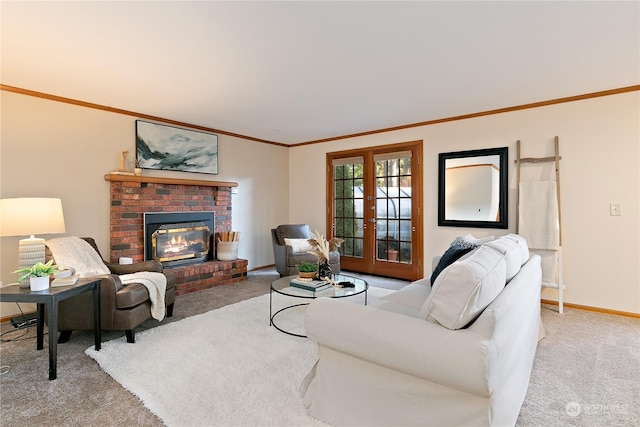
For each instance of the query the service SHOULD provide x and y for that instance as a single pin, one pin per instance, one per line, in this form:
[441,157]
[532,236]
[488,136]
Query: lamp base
[30,252]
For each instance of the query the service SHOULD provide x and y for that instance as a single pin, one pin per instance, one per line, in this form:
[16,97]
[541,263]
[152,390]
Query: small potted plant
[137,167]
[307,270]
[38,275]
[392,249]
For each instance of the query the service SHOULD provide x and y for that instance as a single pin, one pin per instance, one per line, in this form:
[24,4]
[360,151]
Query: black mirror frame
[503,152]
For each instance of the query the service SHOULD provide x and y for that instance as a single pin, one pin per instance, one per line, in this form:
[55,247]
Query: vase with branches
[321,248]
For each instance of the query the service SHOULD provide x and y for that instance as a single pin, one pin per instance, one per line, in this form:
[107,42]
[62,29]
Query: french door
[375,205]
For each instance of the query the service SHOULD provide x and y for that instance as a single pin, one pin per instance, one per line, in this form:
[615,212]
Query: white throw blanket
[77,253]
[156,284]
[538,214]
[550,262]
[74,252]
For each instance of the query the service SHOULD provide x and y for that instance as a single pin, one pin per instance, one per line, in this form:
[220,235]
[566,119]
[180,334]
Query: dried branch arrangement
[322,247]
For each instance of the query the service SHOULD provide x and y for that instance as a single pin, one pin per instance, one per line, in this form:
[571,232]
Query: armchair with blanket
[129,294]
[290,248]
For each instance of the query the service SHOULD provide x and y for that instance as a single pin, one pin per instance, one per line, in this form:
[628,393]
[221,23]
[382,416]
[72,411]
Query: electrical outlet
[614,209]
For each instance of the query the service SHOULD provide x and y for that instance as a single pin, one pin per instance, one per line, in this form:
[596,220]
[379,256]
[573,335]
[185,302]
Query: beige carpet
[586,372]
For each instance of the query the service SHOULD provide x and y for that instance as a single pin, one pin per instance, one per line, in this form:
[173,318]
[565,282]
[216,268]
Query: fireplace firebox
[178,238]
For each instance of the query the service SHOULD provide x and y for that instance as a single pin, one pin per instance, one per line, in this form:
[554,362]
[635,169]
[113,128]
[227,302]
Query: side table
[50,298]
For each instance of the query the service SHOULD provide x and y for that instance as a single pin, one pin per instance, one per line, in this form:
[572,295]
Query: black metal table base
[273,323]
[278,287]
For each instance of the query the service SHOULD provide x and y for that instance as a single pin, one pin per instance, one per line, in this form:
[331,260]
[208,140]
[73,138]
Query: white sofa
[457,354]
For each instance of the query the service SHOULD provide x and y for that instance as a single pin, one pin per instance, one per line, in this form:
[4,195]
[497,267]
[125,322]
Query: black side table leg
[96,316]
[52,319]
[40,327]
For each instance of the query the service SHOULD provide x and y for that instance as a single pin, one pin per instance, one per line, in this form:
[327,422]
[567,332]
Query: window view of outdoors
[392,214]
[349,208]
[393,210]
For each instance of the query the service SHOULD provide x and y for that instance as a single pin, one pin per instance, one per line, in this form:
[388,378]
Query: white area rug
[227,367]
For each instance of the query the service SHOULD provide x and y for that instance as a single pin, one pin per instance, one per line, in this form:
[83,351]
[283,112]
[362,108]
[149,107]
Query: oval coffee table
[282,287]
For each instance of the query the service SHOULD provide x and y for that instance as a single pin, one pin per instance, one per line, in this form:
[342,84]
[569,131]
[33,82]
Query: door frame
[412,271]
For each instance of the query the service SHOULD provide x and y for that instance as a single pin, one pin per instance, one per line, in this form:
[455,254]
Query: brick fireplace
[133,196]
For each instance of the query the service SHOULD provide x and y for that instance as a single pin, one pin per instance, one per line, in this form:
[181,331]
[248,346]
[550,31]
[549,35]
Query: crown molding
[85,104]
[480,114]
[334,138]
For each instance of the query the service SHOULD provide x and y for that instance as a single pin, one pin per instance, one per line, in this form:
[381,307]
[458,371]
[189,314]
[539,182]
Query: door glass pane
[348,171]
[358,206]
[339,189]
[405,252]
[347,247]
[339,225]
[349,207]
[359,229]
[393,209]
[358,247]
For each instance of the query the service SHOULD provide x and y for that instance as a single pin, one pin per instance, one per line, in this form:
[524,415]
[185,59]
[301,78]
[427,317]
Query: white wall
[52,149]
[60,150]
[599,143]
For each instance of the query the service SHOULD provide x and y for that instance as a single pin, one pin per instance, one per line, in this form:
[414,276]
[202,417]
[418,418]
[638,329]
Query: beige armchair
[122,307]
[286,256]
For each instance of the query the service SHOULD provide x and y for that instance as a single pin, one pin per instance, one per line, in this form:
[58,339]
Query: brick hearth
[132,196]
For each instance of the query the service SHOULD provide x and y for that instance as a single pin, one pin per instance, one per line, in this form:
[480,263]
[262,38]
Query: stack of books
[65,281]
[311,285]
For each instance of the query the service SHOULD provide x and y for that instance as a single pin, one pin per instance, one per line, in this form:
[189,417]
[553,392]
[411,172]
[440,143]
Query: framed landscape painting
[170,148]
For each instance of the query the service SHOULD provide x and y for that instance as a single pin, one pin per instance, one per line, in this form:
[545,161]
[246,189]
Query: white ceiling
[293,72]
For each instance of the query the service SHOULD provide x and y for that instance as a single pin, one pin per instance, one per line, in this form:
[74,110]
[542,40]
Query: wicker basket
[307,274]
[227,251]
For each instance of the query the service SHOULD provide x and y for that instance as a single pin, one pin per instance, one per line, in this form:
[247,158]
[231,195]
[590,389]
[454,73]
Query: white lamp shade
[31,215]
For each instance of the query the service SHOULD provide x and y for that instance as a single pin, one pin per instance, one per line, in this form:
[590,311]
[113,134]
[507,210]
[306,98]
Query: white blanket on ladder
[76,253]
[539,221]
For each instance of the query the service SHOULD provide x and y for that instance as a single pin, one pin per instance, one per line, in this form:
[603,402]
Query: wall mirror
[472,188]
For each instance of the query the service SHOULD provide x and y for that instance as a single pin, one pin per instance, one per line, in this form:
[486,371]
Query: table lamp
[29,216]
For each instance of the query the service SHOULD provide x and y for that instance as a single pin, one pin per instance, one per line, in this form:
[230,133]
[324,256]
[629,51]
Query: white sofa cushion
[522,244]
[512,254]
[407,301]
[465,288]
[298,245]
[478,241]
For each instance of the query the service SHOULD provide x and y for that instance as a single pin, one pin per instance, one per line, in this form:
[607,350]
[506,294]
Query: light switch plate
[614,209]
